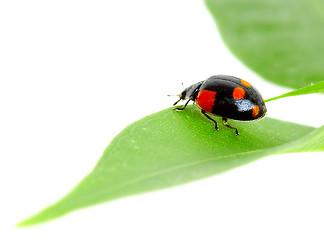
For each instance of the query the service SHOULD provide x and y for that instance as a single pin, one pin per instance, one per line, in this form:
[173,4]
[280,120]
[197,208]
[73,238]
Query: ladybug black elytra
[227,97]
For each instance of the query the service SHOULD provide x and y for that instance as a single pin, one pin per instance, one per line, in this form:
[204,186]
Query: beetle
[227,97]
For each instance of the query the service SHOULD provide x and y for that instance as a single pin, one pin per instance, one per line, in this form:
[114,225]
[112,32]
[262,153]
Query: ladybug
[227,97]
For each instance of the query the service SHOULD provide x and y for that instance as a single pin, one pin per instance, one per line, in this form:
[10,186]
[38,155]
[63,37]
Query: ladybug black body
[225,96]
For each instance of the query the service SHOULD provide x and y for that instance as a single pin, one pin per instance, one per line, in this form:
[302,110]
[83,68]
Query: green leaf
[314,88]
[280,40]
[169,148]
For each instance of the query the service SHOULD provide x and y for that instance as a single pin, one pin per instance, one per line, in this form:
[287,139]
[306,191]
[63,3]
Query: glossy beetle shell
[228,97]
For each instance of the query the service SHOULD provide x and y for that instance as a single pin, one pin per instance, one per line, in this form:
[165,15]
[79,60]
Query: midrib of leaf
[291,147]
[174,168]
[318,140]
[312,142]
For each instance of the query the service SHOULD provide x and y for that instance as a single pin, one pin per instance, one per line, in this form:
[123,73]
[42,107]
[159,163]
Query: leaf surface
[280,40]
[314,88]
[169,148]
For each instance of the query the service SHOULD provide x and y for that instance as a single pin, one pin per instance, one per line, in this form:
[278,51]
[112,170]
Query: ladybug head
[190,92]
[183,95]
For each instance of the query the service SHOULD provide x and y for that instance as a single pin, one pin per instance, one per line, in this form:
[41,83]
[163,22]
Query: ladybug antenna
[175,96]
[169,95]
[179,95]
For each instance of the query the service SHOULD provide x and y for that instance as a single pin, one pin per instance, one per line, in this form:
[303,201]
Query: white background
[75,73]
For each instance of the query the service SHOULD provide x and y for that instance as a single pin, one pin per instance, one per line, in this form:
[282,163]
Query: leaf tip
[43,216]
[28,222]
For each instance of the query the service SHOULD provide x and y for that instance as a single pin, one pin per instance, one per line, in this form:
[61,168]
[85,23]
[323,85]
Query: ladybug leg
[184,106]
[177,101]
[210,118]
[226,124]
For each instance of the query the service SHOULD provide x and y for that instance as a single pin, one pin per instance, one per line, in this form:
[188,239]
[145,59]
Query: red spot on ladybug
[245,83]
[238,93]
[205,100]
[255,110]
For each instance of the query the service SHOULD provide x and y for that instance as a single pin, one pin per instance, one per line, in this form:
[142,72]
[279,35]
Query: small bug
[227,97]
